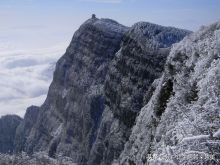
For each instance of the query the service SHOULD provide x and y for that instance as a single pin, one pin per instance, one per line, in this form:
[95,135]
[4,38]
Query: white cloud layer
[25,77]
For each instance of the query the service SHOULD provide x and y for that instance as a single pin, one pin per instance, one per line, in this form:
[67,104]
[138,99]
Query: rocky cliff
[68,121]
[24,129]
[8,126]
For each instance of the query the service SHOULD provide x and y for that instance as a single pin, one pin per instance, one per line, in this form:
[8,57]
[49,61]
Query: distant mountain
[8,126]
[121,94]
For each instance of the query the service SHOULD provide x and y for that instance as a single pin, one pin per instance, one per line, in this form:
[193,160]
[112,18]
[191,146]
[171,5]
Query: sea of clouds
[29,50]
[25,76]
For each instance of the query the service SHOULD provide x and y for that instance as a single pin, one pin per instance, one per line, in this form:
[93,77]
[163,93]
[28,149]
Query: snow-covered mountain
[130,95]
[182,118]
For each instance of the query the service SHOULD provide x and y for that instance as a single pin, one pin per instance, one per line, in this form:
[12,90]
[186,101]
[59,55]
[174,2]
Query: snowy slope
[183,115]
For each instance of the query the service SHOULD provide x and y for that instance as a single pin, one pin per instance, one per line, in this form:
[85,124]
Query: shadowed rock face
[98,89]
[8,125]
[24,129]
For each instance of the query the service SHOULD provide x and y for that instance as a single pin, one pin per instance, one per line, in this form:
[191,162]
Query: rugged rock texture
[69,119]
[24,129]
[140,60]
[138,63]
[8,125]
[182,117]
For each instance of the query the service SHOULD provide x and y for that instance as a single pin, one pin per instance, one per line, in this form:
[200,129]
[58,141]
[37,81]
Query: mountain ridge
[74,117]
[121,94]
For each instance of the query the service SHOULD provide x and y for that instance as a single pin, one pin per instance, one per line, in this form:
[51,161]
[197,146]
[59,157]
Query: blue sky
[56,20]
[35,33]
[183,13]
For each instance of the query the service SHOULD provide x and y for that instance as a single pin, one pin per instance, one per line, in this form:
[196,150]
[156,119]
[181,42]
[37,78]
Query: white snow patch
[217,134]
[58,131]
[65,91]
[199,137]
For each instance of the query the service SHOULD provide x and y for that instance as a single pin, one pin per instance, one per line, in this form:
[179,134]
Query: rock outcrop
[8,125]
[181,122]
[24,128]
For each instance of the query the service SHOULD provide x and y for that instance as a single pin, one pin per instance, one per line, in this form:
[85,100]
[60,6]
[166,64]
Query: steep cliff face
[68,121]
[137,64]
[140,60]
[8,125]
[24,128]
[182,116]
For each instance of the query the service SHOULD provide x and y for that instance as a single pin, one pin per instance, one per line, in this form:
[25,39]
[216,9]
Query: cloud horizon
[25,78]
